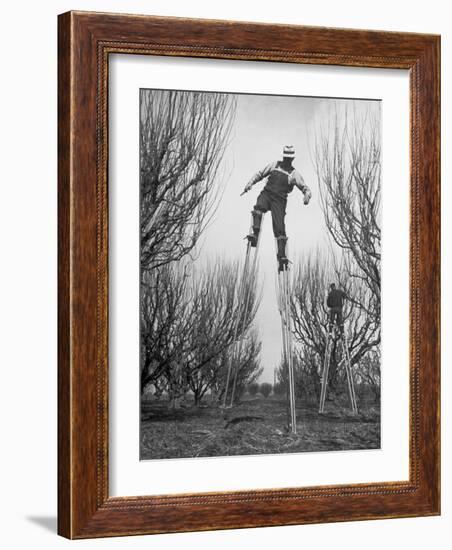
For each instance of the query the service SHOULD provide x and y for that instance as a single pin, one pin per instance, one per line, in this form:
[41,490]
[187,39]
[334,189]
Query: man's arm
[260,175]
[298,180]
[346,296]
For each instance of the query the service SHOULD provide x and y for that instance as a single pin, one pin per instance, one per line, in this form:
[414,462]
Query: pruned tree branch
[348,166]
[183,136]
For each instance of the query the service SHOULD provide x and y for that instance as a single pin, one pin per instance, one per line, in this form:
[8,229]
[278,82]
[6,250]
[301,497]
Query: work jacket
[280,182]
[336,298]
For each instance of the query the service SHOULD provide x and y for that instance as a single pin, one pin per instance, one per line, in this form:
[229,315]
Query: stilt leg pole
[285,354]
[326,368]
[284,299]
[290,354]
[348,369]
[246,302]
[237,321]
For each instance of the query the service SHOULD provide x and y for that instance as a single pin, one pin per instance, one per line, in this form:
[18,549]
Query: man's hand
[307,196]
[248,187]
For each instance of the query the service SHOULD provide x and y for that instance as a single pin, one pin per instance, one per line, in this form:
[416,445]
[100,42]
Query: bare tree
[253,388]
[369,374]
[347,160]
[216,311]
[212,375]
[246,364]
[183,136]
[310,316]
[308,369]
[166,321]
[265,389]
[189,325]
[307,366]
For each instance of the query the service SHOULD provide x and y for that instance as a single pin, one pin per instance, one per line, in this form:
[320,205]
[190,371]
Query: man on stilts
[335,303]
[281,179]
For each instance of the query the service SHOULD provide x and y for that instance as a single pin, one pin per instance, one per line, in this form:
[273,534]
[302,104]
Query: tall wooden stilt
[284,309]
[244,298]
[348,371]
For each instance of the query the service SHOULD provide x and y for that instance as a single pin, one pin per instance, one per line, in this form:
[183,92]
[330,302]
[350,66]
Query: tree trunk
[174,402]
[198,397]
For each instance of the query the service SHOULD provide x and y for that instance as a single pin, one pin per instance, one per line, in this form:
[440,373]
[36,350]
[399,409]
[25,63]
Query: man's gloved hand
[247,188]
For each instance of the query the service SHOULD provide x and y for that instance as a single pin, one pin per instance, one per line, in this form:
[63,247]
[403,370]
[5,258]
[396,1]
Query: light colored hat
[289,151]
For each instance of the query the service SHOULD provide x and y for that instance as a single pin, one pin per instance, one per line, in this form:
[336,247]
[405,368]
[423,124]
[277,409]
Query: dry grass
[256,426]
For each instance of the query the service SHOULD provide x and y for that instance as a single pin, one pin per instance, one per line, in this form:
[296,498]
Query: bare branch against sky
[199,149]
[183,136]
[262,126]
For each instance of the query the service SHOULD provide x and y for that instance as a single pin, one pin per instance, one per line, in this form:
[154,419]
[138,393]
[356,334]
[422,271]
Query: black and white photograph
[260,274]
[224,236]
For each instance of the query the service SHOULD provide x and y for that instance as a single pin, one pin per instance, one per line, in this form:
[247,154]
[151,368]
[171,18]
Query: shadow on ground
[49,523]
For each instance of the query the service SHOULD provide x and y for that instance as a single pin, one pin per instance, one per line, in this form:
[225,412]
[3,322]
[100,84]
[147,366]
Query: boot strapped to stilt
[256,220]
[252,239]
[281,257]
[283,264]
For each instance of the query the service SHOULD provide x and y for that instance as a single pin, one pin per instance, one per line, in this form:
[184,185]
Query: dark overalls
[273,198]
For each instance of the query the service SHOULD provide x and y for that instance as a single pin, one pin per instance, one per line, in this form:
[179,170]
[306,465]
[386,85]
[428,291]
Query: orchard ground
[255,426]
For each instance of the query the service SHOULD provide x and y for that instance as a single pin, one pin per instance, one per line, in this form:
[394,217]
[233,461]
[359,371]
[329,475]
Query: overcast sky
[263,125]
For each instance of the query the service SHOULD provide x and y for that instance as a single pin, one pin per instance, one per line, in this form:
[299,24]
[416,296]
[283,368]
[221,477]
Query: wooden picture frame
[85,42]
